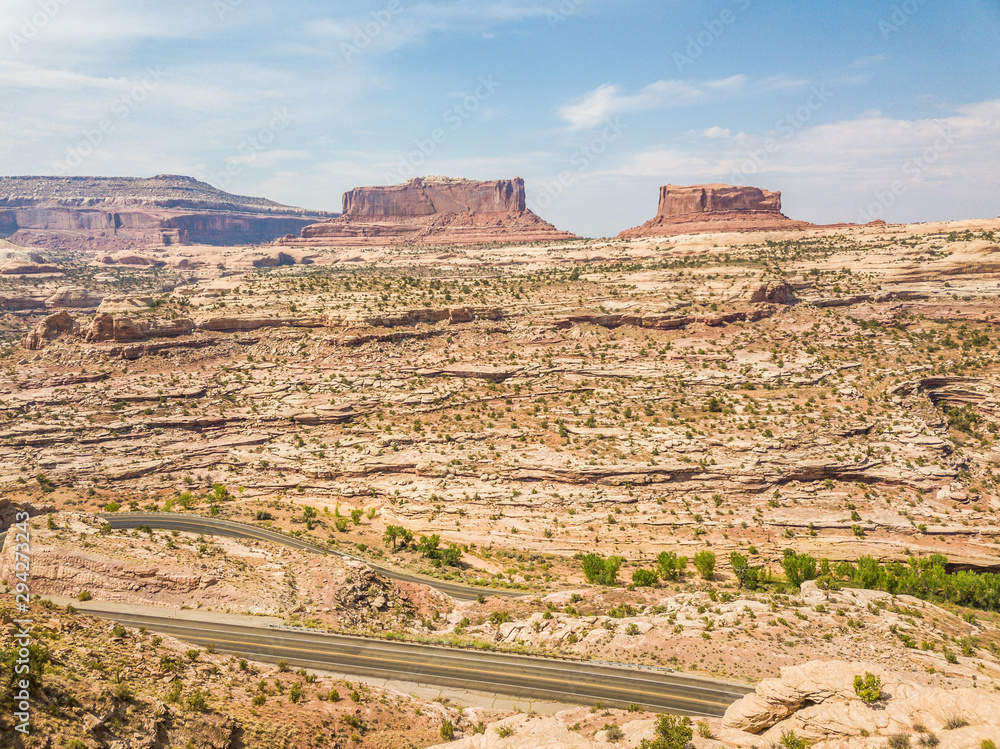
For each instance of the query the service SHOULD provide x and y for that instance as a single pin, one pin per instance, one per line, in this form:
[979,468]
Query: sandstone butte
[104,214]
[433,211]
[698,209]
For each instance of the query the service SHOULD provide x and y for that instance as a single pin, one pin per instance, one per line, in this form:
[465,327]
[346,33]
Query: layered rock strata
[715,208]
[433,210]
[104,213]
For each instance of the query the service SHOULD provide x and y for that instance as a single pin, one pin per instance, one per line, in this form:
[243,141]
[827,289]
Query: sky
[854,109]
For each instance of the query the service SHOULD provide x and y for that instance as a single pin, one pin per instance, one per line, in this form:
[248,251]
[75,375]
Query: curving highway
[218,527]
[527,677]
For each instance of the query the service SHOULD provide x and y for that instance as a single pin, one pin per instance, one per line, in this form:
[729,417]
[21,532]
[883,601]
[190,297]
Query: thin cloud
[608,100]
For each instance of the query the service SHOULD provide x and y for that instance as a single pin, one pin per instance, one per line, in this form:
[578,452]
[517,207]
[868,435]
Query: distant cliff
[715,208]
[115,213]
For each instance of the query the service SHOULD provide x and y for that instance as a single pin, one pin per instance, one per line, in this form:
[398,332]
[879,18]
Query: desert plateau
[537,374]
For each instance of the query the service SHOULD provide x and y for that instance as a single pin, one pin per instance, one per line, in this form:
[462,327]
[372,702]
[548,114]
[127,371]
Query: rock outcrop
[715,208]
[103,328]
[106,213]
[73,296]
[817,701]
[774,292]
[433,210]
[122,329]
[52,327]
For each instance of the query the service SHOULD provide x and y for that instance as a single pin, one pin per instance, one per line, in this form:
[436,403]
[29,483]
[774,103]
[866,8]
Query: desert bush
[898,741]
[704,562]
[670,566]
[447,730]
[601,571]
[672,732]
[868,687]
[644,578]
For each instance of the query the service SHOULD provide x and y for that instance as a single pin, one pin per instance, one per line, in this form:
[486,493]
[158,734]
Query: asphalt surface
[218,527]
[574,682]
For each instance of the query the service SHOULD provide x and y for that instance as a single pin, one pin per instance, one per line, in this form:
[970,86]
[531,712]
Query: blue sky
[854,109]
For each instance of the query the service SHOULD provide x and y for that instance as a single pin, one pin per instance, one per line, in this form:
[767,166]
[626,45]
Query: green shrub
[670,566]
[672,732]
[84,595]
[898,741]
[644,578]
[447,730]
[197,700]
[790,741]
[704,562]
[868,687]
[504,731]
[601,571]
[613,732]
[748,577]
[798,568]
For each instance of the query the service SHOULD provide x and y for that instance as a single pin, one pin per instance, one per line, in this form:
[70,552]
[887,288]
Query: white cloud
[943,167]
[608,100]
[22,75]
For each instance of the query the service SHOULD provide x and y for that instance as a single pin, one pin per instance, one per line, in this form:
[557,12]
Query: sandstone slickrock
[109,213]
[817,701]
[714,208]
[433,210]
[73,296]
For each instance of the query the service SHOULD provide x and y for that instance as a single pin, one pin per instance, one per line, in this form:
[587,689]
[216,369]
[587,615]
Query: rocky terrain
[714,208]
[102,214]
[814,704]
[432,210]
[492,414]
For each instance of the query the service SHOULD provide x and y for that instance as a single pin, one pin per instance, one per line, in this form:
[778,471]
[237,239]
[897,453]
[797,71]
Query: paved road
[575,682]
[218,527]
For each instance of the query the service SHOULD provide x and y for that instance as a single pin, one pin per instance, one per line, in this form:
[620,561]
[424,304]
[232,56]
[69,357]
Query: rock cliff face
[715,208]
[103,213]
[433,210]
[426,197]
